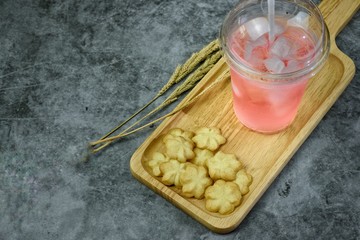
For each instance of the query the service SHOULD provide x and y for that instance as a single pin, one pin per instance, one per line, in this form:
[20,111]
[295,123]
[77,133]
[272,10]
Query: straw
[271,17]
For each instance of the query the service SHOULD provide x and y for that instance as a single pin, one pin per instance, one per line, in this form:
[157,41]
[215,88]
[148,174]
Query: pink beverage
[260,106]
[269,76]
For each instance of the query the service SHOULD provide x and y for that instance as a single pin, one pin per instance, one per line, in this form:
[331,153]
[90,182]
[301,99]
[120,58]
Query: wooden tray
[264,156]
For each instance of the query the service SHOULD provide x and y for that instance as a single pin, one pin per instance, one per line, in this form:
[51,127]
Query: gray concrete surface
[70,70]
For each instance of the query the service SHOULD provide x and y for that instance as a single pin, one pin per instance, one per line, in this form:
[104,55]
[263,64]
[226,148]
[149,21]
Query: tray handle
[337,13]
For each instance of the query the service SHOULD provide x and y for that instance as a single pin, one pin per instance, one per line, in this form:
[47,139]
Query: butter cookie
[222,197]
[208,138]
[179,148]
[243,180]
[171,171]
[194,180]
[201,156]
[223,166]
[157,159]
[176,132]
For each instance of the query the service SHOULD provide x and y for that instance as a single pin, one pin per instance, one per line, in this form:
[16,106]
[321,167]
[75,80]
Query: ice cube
[300,20]
[256,51]
[261,42]
[292,66]
[248,51]
[277,98]
[278,29]
[281,47]
[236,48]
[280,105]
[257,57]
[258,45]
[257,27]
[274,64]
[242,31]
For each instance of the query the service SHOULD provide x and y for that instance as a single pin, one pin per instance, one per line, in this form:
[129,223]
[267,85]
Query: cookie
[192,162]
[188,135]
[222,197]
[208,138]
[223,166]
[171,171]
[243,180]
[201,156]
[157,159]
[194,180]
[179,148]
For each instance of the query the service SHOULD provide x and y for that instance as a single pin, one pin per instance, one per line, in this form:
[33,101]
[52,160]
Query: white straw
[271,17]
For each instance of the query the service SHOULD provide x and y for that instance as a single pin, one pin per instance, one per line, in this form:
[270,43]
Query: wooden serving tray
[264,156]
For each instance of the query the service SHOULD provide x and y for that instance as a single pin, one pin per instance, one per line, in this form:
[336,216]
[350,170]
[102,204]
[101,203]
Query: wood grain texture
[264,156]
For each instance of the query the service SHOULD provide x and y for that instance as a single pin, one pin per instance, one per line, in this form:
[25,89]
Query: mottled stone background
[70,70]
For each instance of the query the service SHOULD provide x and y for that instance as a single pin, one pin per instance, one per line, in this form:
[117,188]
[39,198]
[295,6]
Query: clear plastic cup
[269,76]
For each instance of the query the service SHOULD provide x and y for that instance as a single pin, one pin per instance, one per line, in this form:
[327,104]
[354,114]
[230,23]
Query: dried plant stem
[223,76]
[180,72]
[191,64]
[129,118]
[192,80]
[189,83]
[172,78]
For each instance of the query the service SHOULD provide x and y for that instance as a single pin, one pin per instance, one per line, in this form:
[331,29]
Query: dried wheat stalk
[180,72]
[189,83]
[190,65]
[223,76]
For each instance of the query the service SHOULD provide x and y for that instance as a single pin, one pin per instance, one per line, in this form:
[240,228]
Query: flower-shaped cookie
[171,172]
[179,148]
[179,132]
[222,197]
[194,181]
[157,159]
[223,166]
[209,138]
[243,180]
[201,156]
